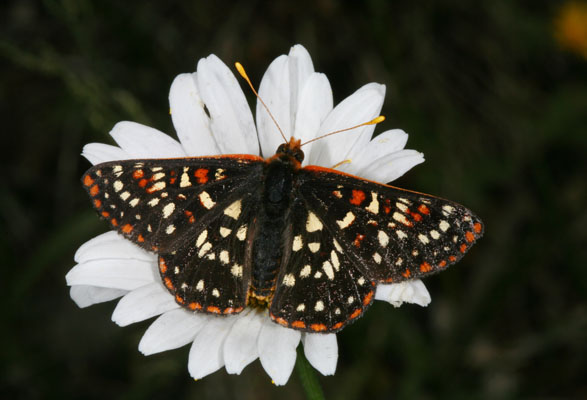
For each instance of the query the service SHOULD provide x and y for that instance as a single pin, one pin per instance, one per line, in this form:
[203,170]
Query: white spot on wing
[118,186]
[224,232]
[206,200]
[215,293]
[224,257]
[374,205]
[443,225]
[306,271]
[377,258]
[200,285]
[170,229]
[327,267]
[314,247]
[234,210]
[319,306]
[301,307]
[289,280]
[168,210]
[237,270]
[134,202]
[298,243]
[241,234]
[313,224]
[346,221]
[383,239]
[202,238]
[153,202]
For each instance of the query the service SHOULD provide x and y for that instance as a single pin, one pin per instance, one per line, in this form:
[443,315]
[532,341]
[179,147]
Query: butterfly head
[290,151]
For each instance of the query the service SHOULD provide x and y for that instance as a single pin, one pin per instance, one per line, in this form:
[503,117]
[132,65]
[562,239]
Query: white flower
[109,266]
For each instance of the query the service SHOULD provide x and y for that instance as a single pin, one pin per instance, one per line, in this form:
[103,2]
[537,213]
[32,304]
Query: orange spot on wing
[88,181]
[97,203]
[407,273]
[368,298]
[358,239]
[105,214]
[140,238]
[228,310]
[138,174]
[463,248]
[281,321]
[452,258]
[213,309]
[127,228]
[358,197]
[298,324]
[355,313]
[143,182]
[469,236]
[162,266]
[172,181]
[442,263]
[417,217]
[388,280]
[114,222]
[201,175]
[425,267]
[318,327]
[190,216]
[337,325]
[423,209]
[477,227]
[94,190]
[179,299]
[195,306]
[168,283]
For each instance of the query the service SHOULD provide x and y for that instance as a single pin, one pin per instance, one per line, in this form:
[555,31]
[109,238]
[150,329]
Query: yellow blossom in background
[570,27]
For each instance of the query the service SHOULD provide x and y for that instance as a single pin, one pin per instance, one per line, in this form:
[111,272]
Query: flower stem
[308,377]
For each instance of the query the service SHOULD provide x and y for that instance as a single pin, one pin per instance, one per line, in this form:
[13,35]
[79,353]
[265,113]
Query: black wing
[194,212]
[379,234]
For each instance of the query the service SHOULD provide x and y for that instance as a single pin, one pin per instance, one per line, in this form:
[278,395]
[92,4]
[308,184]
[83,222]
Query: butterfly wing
[194,212]
[319,288]
[392,234]
[364,233]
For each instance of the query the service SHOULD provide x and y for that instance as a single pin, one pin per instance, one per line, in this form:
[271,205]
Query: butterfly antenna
[374,121]
[241,70]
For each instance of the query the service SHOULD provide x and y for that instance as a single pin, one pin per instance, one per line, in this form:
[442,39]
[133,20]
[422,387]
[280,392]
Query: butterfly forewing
[319,288]
[391,234]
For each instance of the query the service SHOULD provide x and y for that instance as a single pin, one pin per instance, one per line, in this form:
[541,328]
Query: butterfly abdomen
[272,221]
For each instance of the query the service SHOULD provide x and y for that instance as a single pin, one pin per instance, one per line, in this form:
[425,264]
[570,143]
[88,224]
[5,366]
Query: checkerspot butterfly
[309,243]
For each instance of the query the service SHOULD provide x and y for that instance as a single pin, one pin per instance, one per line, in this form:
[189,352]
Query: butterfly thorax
[274,213]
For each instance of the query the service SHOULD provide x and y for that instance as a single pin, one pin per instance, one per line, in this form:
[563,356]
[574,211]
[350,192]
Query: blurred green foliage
[499,110]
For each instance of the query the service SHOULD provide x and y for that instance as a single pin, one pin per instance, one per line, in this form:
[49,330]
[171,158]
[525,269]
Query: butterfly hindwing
[319,287]
[391,234]
[212,272]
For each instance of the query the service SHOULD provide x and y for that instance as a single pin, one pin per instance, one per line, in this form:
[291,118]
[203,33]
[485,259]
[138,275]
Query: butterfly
[310,243]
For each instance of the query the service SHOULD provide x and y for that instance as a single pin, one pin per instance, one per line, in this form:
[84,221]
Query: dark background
[496,103]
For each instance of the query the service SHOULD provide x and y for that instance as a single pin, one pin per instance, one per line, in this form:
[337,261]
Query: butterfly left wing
[195,213]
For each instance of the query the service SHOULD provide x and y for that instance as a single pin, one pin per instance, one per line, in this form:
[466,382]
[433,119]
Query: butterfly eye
[281,149]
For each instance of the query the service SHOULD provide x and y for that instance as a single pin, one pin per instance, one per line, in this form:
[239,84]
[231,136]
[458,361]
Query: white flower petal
[141,141]
[85,296]
[315,102]
[116,274]
[189,118]
[275,92]
[362,106]
[111,245]
[240,347]
[392,166]
[231,118]
[280,89]
[404,292]
[206,354]
[97,153]
[143,303]
[277,350]
[383,145]
[172,330]
[300,69]
[321,350]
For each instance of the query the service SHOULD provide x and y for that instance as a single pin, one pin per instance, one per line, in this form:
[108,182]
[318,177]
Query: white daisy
[109,267]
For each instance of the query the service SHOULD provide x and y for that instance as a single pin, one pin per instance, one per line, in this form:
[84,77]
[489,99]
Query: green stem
[308,377]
